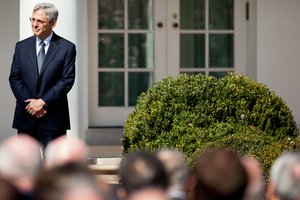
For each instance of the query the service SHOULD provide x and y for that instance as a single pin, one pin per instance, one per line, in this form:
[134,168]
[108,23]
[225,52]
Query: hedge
[195,112]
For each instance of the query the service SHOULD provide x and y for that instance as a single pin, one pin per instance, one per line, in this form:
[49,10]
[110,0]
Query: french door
[135,43]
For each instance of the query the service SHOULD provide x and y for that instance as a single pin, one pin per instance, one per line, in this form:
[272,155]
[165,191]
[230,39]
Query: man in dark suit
[42,73]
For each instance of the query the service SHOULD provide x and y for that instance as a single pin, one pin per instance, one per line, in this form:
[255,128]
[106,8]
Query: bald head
[20,160]
[175,165]
[64,150]
[172,159]
[255,189]
[15,142]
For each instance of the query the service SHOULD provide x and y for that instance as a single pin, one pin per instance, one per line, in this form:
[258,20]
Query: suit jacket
[52,84]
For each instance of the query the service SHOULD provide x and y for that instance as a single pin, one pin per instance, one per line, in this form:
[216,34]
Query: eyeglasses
[38,21]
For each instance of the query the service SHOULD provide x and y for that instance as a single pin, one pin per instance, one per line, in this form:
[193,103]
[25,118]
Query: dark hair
[142,169]
[219,175]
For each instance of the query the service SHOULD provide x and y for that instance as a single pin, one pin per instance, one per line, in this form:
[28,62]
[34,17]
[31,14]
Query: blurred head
[64,150]
[20,160]
[285,176]
[150,193]
[256,187]
[219,175]
[142,169]
[175,165]
[72,181]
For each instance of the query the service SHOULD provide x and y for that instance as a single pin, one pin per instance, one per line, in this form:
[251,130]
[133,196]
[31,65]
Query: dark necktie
[41,56]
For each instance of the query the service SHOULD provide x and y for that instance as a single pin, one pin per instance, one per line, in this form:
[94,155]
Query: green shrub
[194,112]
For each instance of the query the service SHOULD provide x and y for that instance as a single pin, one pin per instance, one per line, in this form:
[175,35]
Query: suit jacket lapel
[53,48]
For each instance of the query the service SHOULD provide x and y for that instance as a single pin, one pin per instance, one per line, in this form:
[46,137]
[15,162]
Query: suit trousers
[43,136]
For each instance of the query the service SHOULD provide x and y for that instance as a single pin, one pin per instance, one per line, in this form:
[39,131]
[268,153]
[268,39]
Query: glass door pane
[221,14]
[140,50]
[138,83]
[111,88]
[140,14]
[192,14]
[111,14]
[221,50]
[192,51]
[111,50]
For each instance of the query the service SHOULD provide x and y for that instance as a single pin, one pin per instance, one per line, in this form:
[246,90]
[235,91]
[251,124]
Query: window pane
[140,50]
[192,14]
[221,50]
[111,89]
[111,14]
[140,14]
[111,50]
[192,50]
[192,73]
[218,74]
[138,82]
[221,14]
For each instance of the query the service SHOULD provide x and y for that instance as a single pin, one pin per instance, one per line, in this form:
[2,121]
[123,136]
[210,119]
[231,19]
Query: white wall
[278,49]
[9,23]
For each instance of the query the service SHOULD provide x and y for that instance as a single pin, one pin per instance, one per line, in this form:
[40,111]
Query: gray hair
[286,177]
[50,9]
[175,165]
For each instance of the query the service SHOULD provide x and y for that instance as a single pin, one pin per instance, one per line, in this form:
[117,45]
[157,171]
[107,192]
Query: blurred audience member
[285,177]
[8,191]
[175,166]
[256,187]
[149,193]
[72,181]
[20,162]
[65,149]
[219,175]
[141,169]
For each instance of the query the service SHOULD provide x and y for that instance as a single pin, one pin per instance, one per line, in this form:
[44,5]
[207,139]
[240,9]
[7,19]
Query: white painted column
[68,27]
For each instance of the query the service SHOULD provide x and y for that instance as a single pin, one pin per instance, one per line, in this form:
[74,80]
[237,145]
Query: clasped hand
[35,107]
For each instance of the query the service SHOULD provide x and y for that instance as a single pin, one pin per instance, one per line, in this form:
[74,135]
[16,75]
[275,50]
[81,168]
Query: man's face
[40,25]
